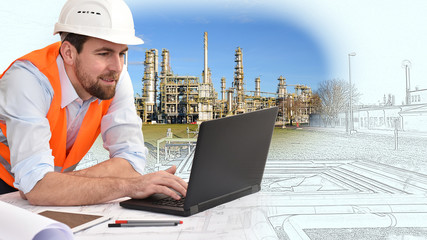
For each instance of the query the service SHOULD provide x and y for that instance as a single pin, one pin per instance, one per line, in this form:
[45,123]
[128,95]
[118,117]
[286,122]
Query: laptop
[228,163]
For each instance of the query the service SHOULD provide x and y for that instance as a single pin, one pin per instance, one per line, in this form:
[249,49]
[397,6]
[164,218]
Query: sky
[271,48]
[305,41]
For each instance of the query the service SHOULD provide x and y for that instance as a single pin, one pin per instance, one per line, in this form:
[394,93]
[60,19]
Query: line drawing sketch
[323,184]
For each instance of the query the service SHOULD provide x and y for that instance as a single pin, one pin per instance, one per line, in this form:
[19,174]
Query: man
[55,101]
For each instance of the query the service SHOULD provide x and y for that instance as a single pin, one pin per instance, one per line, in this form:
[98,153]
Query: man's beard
[94,86]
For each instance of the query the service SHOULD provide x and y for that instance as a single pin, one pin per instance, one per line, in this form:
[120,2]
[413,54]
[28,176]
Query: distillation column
[229,100]
[223,102]
[281,98]
[168,91]
[238,82]
[281,88]
[257,87]
[166,68]
[149,85]
[223,91]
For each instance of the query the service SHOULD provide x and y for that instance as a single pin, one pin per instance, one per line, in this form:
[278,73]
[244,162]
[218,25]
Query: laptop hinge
[256,188]
[194,209]
[226,198]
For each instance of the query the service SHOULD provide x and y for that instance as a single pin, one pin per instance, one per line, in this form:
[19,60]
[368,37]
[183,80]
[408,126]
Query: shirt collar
[69,94]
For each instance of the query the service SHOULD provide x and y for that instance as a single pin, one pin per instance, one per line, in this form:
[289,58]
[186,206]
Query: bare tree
[315,103]
[334,96]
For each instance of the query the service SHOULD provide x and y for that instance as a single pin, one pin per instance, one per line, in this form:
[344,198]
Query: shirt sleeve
[121,127]
[25,97]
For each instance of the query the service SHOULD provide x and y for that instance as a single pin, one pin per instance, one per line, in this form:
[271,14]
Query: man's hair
[76,40]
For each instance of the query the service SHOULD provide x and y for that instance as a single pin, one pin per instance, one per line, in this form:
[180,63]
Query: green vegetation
[311,143]
[154,132]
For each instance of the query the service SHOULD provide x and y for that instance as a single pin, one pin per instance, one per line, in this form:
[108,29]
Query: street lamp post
[351,128]
[407,65]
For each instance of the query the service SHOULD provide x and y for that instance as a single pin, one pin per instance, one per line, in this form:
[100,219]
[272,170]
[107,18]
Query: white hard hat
[110,20]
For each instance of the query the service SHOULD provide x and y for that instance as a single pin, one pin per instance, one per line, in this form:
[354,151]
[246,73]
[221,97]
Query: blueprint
[321,184]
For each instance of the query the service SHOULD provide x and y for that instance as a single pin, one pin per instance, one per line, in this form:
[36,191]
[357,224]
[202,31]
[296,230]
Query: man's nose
[116,63]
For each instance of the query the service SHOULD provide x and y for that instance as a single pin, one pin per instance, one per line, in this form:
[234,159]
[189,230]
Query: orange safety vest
[45,60]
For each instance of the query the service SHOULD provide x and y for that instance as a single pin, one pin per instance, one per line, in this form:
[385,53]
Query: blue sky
[270,48]
[306,41]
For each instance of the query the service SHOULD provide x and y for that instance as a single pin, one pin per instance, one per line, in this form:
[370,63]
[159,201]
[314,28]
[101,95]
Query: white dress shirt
[25,97]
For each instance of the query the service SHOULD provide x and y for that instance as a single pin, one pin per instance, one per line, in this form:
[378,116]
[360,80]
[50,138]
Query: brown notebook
[76,221]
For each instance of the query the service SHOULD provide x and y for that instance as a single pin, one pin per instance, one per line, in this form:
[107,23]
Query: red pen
[145,223]
[149,221]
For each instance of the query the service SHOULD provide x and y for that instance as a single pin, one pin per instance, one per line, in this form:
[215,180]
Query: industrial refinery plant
[171,98]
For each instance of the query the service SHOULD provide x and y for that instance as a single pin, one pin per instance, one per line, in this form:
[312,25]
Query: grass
[154,132]
[308,143]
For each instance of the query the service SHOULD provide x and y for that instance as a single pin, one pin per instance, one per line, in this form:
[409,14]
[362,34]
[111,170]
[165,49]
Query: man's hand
[140,186]
[60,189]
[158,182]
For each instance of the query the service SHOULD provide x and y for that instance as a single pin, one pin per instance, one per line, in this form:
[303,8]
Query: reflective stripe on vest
[45,60]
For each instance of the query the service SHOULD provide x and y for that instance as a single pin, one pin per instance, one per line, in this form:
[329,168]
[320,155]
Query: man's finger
[171,170]
[174,182]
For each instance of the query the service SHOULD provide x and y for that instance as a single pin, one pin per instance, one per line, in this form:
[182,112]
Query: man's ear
[68,53]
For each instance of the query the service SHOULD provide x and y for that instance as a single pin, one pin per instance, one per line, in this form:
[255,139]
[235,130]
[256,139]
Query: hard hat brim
[112,35]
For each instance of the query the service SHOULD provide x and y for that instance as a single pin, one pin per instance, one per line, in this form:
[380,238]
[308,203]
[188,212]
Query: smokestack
[205,75]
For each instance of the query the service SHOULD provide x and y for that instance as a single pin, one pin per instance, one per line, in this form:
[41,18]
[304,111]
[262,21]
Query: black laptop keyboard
[170,202]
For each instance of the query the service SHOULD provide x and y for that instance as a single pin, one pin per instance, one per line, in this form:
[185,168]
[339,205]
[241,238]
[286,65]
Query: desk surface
[322,202]
[243,218]
[267,215]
